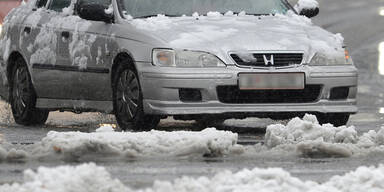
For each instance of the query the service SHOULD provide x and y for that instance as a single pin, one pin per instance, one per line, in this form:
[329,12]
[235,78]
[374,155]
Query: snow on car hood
[220,34]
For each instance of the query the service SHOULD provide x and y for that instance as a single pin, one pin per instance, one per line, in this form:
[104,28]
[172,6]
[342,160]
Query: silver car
[203,60]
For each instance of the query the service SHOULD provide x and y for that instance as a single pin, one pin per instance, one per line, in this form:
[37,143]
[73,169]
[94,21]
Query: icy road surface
[360,22]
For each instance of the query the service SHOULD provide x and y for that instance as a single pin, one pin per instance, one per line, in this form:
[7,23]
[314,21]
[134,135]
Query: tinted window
[141,8]
[41,3]
[59,5]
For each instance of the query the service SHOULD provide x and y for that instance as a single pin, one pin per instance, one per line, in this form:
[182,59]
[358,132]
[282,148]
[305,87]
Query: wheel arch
[124,55]
[11,64]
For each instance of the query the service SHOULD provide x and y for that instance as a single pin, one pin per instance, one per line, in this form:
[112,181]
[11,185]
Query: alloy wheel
[128,94]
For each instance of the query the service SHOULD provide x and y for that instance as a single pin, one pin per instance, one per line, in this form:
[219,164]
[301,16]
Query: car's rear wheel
[23,97]
[337,119]
[128,101]
[205,122]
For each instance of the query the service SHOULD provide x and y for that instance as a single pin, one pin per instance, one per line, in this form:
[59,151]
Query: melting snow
[92,178]
[83,178]
[105,128]
[154,143]
[309,138]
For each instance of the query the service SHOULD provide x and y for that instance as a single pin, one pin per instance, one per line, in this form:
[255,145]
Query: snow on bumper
[92,178]
[154,143]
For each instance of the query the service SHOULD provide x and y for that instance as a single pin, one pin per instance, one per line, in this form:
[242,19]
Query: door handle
[65,34]
[27,30]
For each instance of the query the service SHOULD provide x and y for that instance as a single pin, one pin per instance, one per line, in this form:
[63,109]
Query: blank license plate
[257,81]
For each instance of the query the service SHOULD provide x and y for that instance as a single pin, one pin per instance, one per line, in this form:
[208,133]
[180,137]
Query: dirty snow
[309,138]
[8,153]
[92,178]
[6,116]
[105,128]
[82,178]
[141,144]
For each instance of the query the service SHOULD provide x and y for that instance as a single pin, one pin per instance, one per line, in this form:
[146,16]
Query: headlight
[321,59]
[186,59]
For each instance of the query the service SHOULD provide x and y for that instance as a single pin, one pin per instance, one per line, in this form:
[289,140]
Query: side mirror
[94,12]
[308,8]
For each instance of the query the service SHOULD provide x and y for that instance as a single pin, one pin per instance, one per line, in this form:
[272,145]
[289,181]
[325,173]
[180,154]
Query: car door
[80,69]
[49,81]
[83,48]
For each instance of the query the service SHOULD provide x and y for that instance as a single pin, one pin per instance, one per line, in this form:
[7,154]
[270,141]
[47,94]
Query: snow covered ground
[299,137]
[92,178]
[73,145]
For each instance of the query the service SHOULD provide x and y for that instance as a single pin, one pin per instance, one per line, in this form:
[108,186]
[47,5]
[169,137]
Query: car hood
[221,35]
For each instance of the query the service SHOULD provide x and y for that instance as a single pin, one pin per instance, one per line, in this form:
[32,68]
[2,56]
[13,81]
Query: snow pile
[153,23]
[83,178]
[12,155]
[363,179]
[8,153]
[267,180]
[105,128]
[208,142]
[306,4]
[276,180]
[5,113]
[309,138]
[92,178]
[308,129]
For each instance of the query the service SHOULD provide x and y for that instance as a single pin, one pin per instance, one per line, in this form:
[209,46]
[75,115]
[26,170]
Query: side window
[59,5]
[41,3]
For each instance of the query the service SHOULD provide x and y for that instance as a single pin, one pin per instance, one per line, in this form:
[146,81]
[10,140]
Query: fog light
[339,93]
[190,95]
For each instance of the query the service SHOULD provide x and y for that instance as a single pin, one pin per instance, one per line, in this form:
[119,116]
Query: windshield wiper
[254,14]
[155,15]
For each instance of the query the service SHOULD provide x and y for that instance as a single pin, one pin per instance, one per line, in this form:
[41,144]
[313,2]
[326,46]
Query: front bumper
[161,90]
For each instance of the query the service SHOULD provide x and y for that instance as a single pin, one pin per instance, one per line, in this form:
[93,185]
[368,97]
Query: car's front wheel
[128,101]
[337,119]
[23,97]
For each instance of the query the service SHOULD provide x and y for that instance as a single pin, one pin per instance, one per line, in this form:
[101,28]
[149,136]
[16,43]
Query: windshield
[146,8]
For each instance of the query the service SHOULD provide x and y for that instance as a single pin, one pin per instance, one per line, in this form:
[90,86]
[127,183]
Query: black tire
[128,100]
[209,122]
[23,97]
[337,119]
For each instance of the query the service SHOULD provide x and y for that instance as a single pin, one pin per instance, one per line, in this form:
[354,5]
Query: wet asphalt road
[361,24]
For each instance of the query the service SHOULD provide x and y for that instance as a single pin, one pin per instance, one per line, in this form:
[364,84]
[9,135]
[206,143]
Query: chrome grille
[269,59]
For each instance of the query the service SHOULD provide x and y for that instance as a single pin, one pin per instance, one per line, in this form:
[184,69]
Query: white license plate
[267,81]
